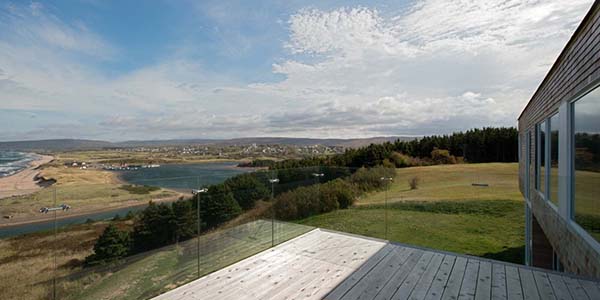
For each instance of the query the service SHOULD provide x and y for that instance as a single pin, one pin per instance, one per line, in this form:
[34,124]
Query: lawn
[487,234]
[452,182]
[445,212]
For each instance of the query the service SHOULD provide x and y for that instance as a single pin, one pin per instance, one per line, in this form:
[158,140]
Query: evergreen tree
[185,219]
[154,228]
[218,206]
[111,245]
[247,189]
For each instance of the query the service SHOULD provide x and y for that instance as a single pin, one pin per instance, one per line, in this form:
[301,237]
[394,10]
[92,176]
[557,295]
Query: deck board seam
[366,273]
[445,284]
[412,290]
[462,279]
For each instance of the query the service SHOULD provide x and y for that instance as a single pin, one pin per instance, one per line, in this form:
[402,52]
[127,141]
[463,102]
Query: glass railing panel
[27,248]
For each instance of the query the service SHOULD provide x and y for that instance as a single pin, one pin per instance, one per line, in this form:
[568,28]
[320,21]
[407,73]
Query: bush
[341,191]
[401,160]
[441,156]
[370,179]
[111,245]
[414,183]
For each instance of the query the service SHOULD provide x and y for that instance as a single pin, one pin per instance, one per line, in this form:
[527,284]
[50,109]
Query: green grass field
[452,182]
[446,212]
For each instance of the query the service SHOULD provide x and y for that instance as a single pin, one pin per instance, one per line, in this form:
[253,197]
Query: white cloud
[437,67]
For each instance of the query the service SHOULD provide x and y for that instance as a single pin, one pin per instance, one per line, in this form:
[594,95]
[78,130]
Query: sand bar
[23,182]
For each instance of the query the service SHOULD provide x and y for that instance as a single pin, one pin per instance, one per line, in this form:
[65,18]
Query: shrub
[111,245]
[388,164]
[402,161]
[441,156]
[414,183]
[343,192]
[370,179]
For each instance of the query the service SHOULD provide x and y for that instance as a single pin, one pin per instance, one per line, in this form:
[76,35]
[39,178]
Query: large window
[553,180]
[540,151]
[586,180]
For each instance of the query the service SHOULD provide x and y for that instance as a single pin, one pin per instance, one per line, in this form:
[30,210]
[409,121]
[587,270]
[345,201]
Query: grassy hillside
[446,212]
[452,182]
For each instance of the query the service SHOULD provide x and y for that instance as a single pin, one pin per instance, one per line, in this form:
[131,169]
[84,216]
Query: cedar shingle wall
[576,70]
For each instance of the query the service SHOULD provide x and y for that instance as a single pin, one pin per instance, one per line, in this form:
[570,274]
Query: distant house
[559,169]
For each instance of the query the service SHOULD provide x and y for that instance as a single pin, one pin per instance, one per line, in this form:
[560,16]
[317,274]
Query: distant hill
[54,145]
[81,144]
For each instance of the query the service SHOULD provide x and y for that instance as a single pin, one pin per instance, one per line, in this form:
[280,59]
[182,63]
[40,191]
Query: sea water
[12,162]
[183,177]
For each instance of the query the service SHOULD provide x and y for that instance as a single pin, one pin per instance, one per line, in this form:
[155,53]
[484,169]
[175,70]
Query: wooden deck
[329,265]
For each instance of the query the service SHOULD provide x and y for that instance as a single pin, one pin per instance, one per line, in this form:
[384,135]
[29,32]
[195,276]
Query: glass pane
[553,188]
[587,162]
[541,157]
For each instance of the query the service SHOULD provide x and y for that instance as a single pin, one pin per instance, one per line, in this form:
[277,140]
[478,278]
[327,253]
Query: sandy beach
[23,182]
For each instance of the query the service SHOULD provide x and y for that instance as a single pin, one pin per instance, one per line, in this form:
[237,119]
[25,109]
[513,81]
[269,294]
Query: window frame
[595,244]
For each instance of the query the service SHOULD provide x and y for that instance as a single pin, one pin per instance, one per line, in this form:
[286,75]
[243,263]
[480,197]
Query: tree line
[164,224]
[487,144]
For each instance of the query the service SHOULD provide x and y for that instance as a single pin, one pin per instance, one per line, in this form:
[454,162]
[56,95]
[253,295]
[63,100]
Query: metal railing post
[273,181]
[388,180]
[198,192]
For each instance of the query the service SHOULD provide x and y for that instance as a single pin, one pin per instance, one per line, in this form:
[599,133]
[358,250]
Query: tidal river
[182,177]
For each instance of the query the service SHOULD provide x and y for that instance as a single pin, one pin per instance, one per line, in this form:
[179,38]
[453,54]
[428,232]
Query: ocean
[183,177]
[12,162]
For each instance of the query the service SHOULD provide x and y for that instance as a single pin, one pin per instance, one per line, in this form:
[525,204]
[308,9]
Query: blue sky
[118,70]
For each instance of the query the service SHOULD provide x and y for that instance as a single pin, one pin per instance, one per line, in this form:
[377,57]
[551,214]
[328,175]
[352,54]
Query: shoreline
[25,181]
[88,212]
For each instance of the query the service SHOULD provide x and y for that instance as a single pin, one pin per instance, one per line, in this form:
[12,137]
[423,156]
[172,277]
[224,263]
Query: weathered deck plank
[398,278]
[498,282]
[355,277]
[328,265]
[420,290]
[560,288]
[543,285]
[371,284]
[411,280]
[469,282]
[575,288]
[484,281]
[441,278]
[530,291]
[514,289]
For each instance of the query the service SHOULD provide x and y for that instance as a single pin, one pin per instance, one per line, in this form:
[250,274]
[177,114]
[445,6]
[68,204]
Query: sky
[123,70]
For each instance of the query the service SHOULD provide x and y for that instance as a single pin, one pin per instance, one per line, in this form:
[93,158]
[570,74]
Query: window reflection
[586,123]
[553,188]
[541,157]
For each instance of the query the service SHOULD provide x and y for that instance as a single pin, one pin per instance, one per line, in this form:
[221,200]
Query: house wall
[575,71]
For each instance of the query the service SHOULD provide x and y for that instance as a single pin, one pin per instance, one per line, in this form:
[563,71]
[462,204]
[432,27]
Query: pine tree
[111,245]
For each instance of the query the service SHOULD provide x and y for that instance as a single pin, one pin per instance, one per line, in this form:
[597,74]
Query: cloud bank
[431,67]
